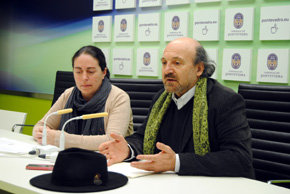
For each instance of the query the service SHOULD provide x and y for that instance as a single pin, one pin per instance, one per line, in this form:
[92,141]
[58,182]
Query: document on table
[10,146]
[126,169]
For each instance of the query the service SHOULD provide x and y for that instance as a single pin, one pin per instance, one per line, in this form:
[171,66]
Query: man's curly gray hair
[209,65]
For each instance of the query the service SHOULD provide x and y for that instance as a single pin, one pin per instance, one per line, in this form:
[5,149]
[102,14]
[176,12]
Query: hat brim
[115,180]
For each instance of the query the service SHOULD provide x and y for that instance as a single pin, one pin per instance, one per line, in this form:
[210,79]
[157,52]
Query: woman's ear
[105,72]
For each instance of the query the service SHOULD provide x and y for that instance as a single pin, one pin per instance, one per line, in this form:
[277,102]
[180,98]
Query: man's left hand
[163,161]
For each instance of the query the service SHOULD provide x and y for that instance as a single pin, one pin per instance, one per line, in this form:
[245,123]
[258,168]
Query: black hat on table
[79,170]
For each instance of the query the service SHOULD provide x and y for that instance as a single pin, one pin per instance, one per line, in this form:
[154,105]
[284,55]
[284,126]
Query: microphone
[60,112]
[84,117]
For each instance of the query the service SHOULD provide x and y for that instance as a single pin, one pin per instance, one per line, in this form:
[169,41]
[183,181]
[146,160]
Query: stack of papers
[9,146]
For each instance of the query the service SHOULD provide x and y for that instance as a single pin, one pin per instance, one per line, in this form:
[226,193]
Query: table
[15,179]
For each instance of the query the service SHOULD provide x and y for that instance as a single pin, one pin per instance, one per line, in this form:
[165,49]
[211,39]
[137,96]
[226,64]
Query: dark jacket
[229,137]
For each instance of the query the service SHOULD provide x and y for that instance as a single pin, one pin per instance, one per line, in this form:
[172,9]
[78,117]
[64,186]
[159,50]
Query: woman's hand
[51,135]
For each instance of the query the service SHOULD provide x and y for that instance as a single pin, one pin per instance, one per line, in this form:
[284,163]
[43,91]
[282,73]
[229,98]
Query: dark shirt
[176,123]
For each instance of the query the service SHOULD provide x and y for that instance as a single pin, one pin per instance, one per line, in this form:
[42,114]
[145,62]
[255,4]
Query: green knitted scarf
[199,120]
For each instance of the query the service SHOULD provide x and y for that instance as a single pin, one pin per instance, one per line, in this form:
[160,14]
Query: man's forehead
[175,53]
[169,57]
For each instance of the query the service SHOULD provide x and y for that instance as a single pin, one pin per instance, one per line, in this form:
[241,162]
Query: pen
[51,157]
[44,156]
[34,152]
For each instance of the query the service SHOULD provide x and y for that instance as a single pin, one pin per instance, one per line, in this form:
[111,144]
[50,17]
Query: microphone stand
[84,117]
[60,112]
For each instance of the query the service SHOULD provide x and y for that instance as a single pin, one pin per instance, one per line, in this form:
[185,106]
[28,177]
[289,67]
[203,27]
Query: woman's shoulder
[68,91]
[65,95]
[117,95]
[118,91]
[63,98]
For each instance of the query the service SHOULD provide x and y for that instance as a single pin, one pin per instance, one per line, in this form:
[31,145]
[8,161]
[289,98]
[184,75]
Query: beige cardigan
[119,120]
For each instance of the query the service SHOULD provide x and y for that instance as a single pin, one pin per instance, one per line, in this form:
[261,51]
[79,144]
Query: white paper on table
[14,146]
[126,169]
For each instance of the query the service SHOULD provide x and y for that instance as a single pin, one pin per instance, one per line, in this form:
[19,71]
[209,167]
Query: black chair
[268,113]
[141,92]
[63,81]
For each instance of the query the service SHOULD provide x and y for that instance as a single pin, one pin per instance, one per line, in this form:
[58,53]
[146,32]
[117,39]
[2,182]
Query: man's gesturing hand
[163,161]
[115,150]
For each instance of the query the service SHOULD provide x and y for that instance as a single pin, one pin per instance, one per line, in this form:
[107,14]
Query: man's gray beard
[177,89]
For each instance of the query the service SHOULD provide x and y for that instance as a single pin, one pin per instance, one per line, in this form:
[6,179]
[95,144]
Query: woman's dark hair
[96,53]
[209,65]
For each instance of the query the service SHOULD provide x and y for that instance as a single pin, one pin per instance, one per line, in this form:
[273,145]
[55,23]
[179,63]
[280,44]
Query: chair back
[63,81]
[141,92]
[268,114]
[9,118]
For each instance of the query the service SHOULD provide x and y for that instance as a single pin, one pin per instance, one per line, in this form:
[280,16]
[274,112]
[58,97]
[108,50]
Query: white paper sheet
[126,169]
[14,147]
